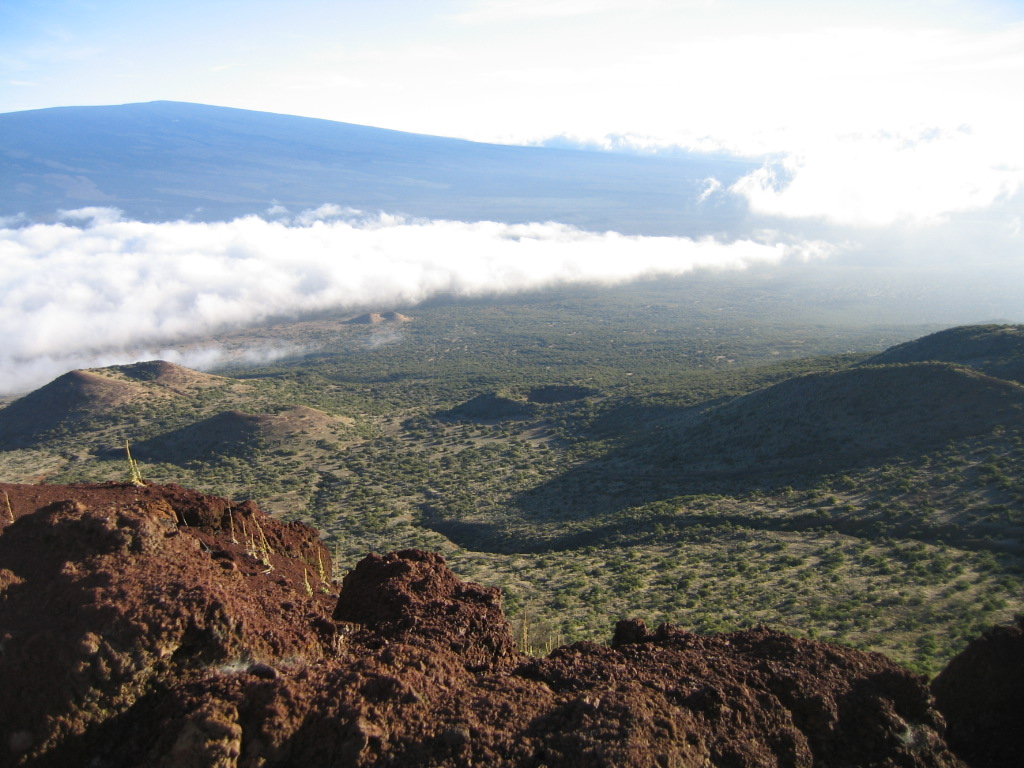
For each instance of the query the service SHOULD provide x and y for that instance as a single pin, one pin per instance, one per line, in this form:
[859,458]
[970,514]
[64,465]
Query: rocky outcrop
[413,597]
[155,626]
[750,698]
[112,596]
[981,695]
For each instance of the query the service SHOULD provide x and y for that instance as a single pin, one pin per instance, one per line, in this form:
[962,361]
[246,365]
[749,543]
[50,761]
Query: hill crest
[997,350]
[174,377]
[376,318]
[83,398]
[833,421]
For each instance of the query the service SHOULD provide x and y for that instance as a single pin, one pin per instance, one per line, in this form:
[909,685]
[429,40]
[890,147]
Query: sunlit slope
[76,401]
[85,401]
[168,160]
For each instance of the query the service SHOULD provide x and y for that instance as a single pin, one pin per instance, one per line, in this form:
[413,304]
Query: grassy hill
[794,433]
[90,402]
[79,400]
[827,422]
[176,378]
[491,406]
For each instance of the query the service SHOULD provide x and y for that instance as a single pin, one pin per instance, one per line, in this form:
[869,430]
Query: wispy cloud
[109,289]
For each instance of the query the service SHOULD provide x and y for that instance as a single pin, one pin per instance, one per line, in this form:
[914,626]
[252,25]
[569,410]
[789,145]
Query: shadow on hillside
[231,433]
[792,434]
[631,477]
[481,537]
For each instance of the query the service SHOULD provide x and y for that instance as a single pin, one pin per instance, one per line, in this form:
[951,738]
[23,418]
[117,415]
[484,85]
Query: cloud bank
[98,290]
[880,180]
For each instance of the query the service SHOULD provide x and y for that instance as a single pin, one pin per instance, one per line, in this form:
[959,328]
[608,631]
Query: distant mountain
[994,349]
[169,160]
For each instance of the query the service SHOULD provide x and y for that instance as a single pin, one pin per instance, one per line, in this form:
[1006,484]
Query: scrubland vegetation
[593,454]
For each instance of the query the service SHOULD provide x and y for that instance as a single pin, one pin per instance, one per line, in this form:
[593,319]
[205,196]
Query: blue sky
[523,69]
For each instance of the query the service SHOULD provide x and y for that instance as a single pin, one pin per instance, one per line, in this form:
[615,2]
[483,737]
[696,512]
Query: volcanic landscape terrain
[850,483]
[153,625]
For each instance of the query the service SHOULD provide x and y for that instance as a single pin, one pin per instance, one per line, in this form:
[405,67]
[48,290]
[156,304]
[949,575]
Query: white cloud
[711,186]
[116,290]
[882,180]
[91,214]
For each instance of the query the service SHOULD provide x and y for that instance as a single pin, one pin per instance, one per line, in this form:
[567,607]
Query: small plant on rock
[134,473]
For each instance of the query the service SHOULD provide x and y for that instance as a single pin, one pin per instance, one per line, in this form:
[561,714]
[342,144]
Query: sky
[887,130]
[746,74]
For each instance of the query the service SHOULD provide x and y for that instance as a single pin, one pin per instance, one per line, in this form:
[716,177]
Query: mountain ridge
[171,160]
[994,349]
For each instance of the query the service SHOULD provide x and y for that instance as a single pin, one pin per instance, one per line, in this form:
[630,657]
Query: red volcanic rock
[981,695]
[111,592]
[413,596]
[751,698]
[156,626]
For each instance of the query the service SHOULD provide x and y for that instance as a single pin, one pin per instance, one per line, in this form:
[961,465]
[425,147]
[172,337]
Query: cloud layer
[877,181]
[98,290]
